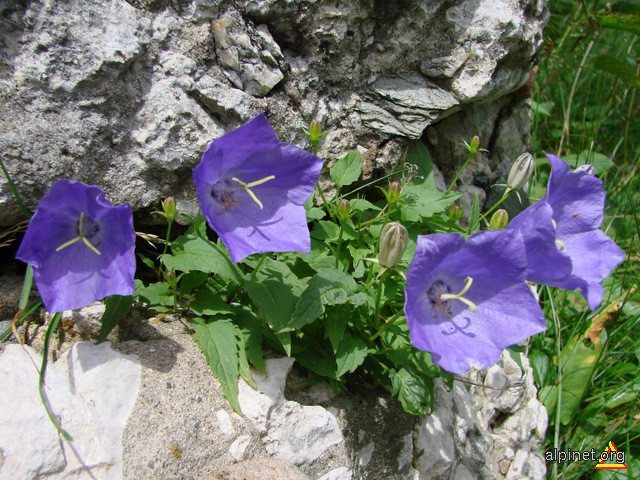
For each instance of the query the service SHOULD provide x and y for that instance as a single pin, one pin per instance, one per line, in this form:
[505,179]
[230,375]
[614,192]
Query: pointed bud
[344,209]
[520,171]
[475,143]
[315,131]
[393,243]
[455,213]
[169,207]
[499,219]
[394,191]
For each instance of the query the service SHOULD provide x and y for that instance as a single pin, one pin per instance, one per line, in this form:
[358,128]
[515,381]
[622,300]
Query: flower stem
[53,326]
[166,241]
[26,287]
[387,324]
[14,190]
[376,310]
[556,433]
[324,201]
[497,204]
[464,165]
[338,245]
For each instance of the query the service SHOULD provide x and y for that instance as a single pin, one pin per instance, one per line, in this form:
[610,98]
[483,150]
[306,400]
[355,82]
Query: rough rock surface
[127,95]
[181,426]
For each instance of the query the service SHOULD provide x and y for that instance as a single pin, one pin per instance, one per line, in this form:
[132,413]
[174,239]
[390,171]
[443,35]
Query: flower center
[87,231]
[441,298]
[223,191]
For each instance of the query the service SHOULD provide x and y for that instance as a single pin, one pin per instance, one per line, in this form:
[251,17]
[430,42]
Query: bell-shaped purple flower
[565,246]
[466,301]
[252,189]
[80,247]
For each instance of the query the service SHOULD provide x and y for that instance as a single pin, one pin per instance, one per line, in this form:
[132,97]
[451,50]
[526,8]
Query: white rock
[239,446]
[92,390]
[364,455]
[342,473]
[224,422]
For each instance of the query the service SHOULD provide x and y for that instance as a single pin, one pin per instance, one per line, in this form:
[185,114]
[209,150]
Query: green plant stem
[339,244]
[14,190]
[260,262]
[26,287]
[464,165]
[53,325]
[23,316]
[324,201]
[497,204]
[376,310]
[367,185]
[391,321]
[166,241]
[556,434]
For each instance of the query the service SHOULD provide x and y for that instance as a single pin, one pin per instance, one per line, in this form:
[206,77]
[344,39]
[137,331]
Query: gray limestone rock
[128,95]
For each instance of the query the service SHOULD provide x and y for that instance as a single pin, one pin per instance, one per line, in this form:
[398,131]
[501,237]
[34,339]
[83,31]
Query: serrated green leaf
[617,67]
[362,205]
[334,328]
[315,213]
[193,253]
[192,280]
[243,362]
[116,307]
[208,302]
[156,294]
[219,342]
[328,286]
[347,169]
[325,230]
[275,301]
[422,197]
[350,354]
[415,394]
[474,219]
[627,23]
[316,362]
[251,328]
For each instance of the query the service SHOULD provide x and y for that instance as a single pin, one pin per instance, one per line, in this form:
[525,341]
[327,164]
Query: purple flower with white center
[80,247]
[466,301]
[252,189]
[565,246]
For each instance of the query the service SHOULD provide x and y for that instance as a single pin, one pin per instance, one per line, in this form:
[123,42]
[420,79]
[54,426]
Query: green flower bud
[394,191]
[475,144]
[169,208]
[455,213]
[393,243]
[315,131]
[499,219]
[520,172]
[344,209]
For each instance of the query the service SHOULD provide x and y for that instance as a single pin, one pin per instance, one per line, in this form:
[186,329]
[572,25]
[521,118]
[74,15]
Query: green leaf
[193,253]
[219,342]
[351,353]
[474,219]
[541,365]
[275,302]
[285,341]
[328,286]
[315,213]
[422,197]
[325,230]
[347,169]
[415,394]
[617,67]
[549,397]
[627,23]
[542,108]
[116,307]
[334,328]
[156,294]
[208,302]
[251,328]
[578,363]
[192,280]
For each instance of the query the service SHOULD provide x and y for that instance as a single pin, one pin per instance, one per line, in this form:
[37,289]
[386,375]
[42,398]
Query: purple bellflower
[80,247]
[465,302]
[564,243]
[252,189]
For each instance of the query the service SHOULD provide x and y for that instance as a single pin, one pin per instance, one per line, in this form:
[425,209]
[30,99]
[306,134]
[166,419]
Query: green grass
[586,105]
